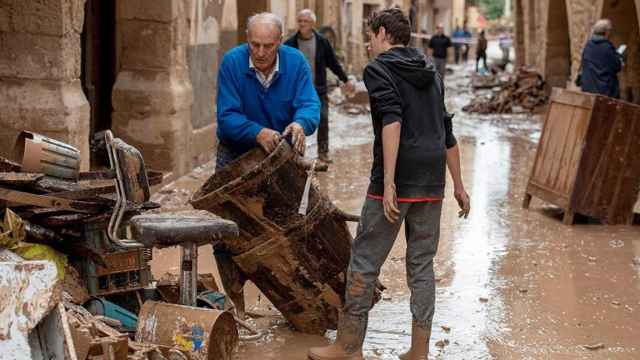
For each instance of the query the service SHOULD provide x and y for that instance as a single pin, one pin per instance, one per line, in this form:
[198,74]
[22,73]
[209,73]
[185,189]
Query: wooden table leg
[526,201]
[568,217]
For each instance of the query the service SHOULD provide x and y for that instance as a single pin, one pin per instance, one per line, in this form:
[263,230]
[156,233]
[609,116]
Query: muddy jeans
[370,249]
[323,128]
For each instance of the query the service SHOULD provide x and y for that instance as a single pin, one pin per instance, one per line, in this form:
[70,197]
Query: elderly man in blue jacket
[265,94]
[601,63]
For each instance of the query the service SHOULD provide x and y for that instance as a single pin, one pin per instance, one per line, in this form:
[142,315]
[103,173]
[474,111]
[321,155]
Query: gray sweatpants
[373,242]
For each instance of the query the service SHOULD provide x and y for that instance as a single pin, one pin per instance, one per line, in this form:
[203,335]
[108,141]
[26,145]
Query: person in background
[413,145]
[505,45]
[466,34]
[481,51]
[439,45]
[265,94]
[601,63]
[320,56]
[458,38]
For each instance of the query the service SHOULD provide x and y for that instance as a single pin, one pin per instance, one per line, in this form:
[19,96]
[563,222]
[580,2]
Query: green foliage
[493,9]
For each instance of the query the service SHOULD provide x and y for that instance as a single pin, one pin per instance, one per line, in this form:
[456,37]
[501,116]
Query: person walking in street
[458,38]
[466,34]
[481,51]
[601,63]
[265,94]
[439,45]
[505,42]
[413,143]
[320,55]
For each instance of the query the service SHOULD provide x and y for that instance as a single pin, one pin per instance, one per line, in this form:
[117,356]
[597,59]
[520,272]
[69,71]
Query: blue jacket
[600,67]
[244,106]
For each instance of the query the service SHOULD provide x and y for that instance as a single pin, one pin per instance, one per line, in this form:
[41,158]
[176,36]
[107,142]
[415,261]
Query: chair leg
[188,273]
[526,201]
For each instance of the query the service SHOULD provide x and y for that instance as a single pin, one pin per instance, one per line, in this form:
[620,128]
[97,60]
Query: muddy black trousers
[374,240]
[323,128]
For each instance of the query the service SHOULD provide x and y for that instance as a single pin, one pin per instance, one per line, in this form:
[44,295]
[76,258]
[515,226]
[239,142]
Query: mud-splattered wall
[40,86]
[212,31]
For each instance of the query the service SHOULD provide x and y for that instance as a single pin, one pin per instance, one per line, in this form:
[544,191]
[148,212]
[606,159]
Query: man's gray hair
[266,18]
[602,27]
[309,13]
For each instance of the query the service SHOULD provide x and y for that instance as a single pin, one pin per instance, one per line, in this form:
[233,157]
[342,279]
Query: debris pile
[77,285]
[523,92]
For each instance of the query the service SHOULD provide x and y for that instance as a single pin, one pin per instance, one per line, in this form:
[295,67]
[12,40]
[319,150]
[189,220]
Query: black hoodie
[404,86]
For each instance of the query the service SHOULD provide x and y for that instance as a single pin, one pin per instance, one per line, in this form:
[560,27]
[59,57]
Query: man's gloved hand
[297,137]
[268,139]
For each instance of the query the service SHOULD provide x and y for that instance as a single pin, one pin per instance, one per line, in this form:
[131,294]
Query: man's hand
[268,139]
[390,203]
[348,87]
[297,137]
[463,201]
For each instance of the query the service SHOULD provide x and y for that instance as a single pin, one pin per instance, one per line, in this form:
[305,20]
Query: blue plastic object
[99,306]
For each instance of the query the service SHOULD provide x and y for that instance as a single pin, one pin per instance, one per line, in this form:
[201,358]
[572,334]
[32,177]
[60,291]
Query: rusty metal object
[298,262]
[41,154]
[200,333]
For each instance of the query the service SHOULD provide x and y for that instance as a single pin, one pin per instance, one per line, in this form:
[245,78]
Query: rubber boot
[419,344]
[348,344]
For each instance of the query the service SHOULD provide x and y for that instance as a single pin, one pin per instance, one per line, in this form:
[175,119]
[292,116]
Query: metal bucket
[298,262]
[40,154]
[200,333]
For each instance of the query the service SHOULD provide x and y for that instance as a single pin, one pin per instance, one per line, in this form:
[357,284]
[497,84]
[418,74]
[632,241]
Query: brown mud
[512,283]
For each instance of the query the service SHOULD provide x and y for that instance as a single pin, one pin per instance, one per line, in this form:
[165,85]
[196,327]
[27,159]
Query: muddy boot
[419,344]
[324,157]
[348,344]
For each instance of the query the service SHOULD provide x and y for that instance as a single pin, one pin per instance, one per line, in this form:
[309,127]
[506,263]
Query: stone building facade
[550,36]
[144,68]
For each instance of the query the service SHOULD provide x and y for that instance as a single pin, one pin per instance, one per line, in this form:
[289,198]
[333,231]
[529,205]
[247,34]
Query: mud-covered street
[511,283]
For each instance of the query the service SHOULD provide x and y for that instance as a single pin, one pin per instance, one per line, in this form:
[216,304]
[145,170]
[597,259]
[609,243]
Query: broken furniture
[298,262]
[587,160]
[188,232]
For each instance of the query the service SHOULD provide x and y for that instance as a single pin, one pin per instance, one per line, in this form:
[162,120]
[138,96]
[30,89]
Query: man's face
[376,42]
[440,30]
[305,24]
[264,40]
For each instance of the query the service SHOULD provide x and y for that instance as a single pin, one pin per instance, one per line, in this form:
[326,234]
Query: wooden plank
[574,99]
[560,200]
[21,197]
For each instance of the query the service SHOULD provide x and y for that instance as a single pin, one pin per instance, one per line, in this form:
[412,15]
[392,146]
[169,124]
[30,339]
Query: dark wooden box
[588,158]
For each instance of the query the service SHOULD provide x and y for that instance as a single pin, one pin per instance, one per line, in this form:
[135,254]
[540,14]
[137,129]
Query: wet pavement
[512,283]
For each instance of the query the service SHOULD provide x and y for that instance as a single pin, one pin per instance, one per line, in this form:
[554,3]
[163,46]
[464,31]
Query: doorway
[98,67]
[245,10]
[624,16]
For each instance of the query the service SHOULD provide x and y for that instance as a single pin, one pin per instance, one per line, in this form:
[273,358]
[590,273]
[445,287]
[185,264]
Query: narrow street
[512,283]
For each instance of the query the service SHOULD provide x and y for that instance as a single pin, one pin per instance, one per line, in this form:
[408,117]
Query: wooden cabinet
[588,158]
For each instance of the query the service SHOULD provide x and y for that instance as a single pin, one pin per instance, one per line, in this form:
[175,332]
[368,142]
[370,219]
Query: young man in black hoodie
[413,145]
